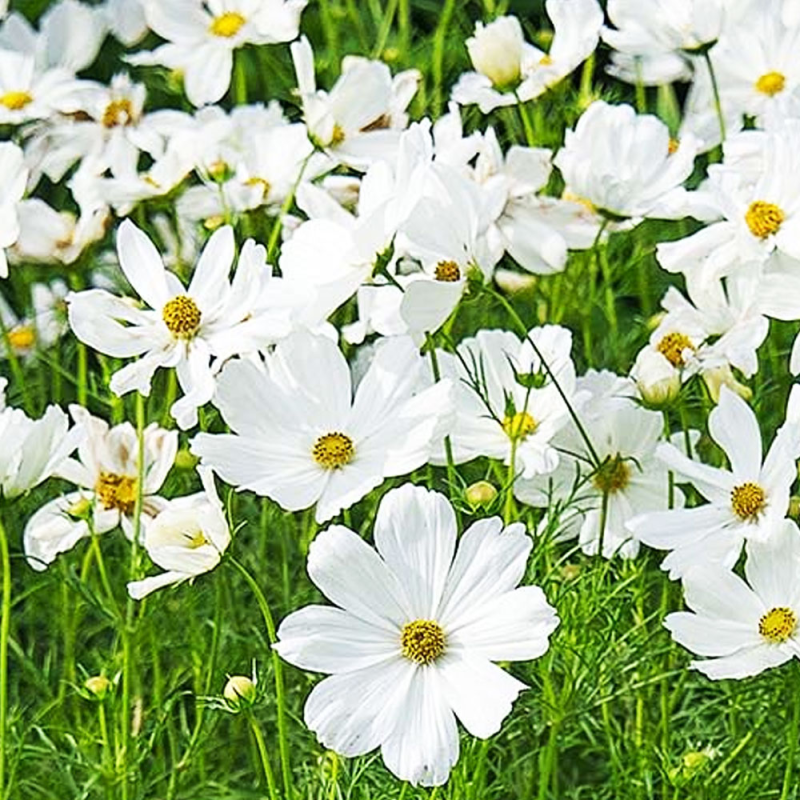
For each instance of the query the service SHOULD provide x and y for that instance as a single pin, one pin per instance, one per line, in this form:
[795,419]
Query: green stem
[239,79]
[262,752]
[277,226]
[791,739]
[715,89]
[277,667]
[5,564]
[385,29]
[530,135]
[439,41]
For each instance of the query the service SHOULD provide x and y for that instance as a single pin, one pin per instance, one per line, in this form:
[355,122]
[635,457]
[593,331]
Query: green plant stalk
[385,29]
[5,626]
[530,135]
[277,667]
[715,89]
[437,67]
[262,753]
[277,226]
[793,729]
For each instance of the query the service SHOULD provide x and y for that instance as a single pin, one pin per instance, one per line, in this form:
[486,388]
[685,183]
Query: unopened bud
[481,493]
[794,507]
[98,685]
[723,376]
[239,691]
[185,459]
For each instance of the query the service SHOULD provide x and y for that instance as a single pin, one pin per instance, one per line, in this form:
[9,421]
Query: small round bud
[481,493]
[658,381]
[185,459]
[98,685]
[570,571]
[239,691]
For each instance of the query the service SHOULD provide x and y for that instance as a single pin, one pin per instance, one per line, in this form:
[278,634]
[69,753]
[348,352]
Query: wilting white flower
[301,435]
[744,628]
[418,624]
[107,474]
[747,503]
[187,539]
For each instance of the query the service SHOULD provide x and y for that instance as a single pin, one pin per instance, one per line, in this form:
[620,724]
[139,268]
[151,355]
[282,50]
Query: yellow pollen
[447,272]
[260,182]
[116,491]
[423,641]
[519,426]
[15,100]
[748,501]
[22,337]
[613,475]
[771,83]
[196,539]
[227,24]
[672,347]
[182,316]
[337,137]
[673,145]
[118,113]
[545,61]
[764,218]
[333,450]
[778,624]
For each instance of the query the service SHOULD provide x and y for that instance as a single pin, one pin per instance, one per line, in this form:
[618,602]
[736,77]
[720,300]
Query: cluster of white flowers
[401,221]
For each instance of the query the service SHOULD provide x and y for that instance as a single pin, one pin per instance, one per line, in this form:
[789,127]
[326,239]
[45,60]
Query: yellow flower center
[116,491]
[118,113]
[423,641]
[519,426]
[447,272]
[182,316]
[546,61]
[673,145]
[778,624]
[748,501]
[763,218]
[15,101]
[195,539]
[672,347]
[771,83]
[613,475]
[227,24]
[22,337]
[333,450]
[338,135]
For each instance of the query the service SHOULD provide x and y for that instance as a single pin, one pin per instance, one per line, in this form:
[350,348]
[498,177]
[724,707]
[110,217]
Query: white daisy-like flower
[181,327]
[13,178]
[202,35]
[107,472]
[418,624]
[45,325]
[186,539]
[746,503]
[744,628]
[301,435]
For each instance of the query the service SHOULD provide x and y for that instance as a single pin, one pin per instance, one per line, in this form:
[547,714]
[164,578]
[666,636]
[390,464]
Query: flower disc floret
[748,501]
[182,316]
[15,100]
[764,218]
[672,347]
[447,272]
[778,624]
[227,24]
[116,492]
[423,641]
[22,337]
[118,113]
[613,475]
[519,426]
[333,450]
[771,83]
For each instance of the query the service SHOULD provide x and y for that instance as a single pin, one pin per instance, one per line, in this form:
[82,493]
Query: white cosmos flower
[504,400]
[45,325]
[13,178]
[186,539]
[744,628]
[410,643]
[202,35]
[181,327]
[301,435]
[510,70]
[746,503]
[623,163]
[107,474]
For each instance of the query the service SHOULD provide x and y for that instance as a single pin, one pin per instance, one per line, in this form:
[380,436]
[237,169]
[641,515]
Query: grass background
[613,713]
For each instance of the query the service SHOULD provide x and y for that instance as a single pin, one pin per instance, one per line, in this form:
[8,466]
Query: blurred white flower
[13,178]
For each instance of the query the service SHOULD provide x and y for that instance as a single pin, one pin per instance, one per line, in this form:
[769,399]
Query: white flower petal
[734,427]
[142,265]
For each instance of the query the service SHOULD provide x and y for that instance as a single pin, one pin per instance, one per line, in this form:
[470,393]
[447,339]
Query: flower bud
[496,50]
[98,685]
[658,381]
[239,691]
[184,459]
[481,493]
[723,376]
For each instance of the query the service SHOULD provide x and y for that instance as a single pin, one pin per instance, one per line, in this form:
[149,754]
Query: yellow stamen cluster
[262,183]
[447,272]
[748,501]
[118,113]
[613,475]
[15,100]
[423,641]
[673,145]
[672,347]
[116,491]
[778,624]
[764,218]
[333,450]
[181,316]
[22,337]
[771,83]
[337,137]
[195,539]
[227,24]
[519,426]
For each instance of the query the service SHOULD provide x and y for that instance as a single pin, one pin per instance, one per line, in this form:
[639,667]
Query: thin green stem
[262,752]
[277,226]
[792,732]
[277,667]
[439,40]
[5,626]
[715,90]
[530,135]
[385,29]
